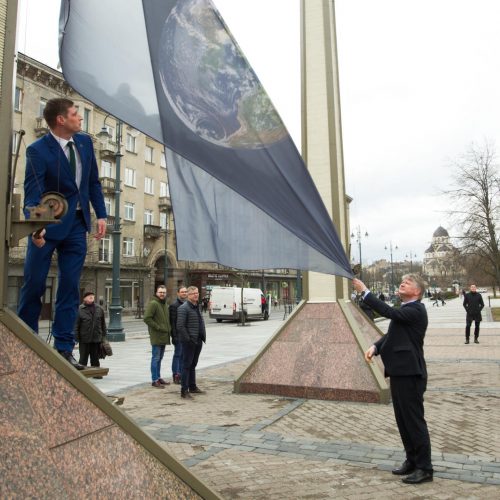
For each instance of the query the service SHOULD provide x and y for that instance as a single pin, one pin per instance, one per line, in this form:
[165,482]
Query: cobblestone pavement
[256,446]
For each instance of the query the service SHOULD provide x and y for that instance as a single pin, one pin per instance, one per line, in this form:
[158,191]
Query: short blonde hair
[191,289]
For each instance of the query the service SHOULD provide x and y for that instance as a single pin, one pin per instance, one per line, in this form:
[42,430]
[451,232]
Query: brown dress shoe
[158,385]
[196,390]
[186,395]
[163,382]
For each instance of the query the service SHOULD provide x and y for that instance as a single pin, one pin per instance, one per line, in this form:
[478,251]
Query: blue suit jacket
[48,169]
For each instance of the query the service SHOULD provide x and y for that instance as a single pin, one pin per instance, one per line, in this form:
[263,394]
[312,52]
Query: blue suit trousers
[71,252]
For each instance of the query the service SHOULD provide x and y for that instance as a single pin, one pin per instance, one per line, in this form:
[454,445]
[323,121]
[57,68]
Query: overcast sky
[419,82]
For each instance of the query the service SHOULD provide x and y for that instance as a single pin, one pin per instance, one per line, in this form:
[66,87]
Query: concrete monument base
[319,353]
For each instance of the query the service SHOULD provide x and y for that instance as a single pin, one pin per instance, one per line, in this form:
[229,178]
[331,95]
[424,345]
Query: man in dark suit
[402,353]
[62,161]
[473,304]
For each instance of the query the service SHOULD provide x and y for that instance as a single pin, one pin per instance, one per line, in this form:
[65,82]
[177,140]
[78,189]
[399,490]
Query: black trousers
[190,355]
[408,401]
[468,322]
[89,349]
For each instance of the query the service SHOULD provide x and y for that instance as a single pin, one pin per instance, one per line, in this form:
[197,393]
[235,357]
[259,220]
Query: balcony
[164,203]
[40,126]
[151,231]
[107,150]
[108,185]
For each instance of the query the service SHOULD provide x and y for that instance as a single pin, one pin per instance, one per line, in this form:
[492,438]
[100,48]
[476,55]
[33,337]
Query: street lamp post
[392,265]
[358,239]
[165,268]
[115,328]
[411,256]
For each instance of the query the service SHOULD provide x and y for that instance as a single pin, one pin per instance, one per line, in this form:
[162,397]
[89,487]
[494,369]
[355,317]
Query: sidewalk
[256,446]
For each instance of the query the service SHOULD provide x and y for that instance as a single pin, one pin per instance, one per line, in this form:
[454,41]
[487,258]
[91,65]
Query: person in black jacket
[90,329]
[177,357]
[473,304]
[402,353]
[191,332]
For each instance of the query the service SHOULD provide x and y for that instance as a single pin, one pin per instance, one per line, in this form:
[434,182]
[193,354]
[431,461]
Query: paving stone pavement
[260,446]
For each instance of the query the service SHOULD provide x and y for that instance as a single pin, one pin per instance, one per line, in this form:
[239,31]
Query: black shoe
[71,360]
[466,341]
[176,377]
[196,390]
[419,476]
[476,341]
[406,468]
[186,395]
[99,377]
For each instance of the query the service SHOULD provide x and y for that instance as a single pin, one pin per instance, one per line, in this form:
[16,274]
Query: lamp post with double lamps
[115,328]
[390,248]
[411,256]
[358,237]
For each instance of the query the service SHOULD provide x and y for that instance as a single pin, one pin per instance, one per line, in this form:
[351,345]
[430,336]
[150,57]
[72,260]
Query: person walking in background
[436,299]
[158,321]
[441,298]
[402,352]
[177,357]
[90,330]
[473,304]
[191,332]
[62,160]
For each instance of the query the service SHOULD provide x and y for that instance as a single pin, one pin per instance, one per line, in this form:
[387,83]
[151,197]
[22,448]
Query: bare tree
[475,197]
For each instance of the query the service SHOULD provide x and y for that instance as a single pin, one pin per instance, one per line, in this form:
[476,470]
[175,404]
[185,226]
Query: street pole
[115,328]
[298,287]
[358,236]
[392,266]
[165,268]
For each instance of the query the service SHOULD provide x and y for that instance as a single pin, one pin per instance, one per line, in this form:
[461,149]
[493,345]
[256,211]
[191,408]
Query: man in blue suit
[402,352]
[62,161]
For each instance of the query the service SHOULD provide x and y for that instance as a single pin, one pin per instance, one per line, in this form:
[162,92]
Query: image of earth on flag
[210,85]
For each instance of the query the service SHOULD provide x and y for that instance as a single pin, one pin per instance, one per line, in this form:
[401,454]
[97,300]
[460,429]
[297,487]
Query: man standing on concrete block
[402,353]
[473,304]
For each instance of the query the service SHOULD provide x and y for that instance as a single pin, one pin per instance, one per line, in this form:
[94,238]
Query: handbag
[105,349]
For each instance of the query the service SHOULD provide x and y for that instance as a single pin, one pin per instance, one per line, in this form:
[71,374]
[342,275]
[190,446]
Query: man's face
[161,293]
[89,299]
[72,122]
[182,294]
[473,288]
[408,290]
[193,296]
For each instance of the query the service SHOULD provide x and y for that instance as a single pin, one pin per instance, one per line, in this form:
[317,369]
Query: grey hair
[418,280]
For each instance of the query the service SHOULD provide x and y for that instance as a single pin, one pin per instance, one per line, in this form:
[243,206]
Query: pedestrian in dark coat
[90,329]
[402,353]
[177,357]
[473,304]
[191,332]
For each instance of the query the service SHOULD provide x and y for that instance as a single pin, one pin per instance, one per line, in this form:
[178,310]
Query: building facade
[442,266]
[147,224]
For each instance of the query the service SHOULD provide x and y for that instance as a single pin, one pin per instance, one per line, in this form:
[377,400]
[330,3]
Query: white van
[225,303]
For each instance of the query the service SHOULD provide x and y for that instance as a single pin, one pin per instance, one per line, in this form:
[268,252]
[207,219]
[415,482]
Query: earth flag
[241,194]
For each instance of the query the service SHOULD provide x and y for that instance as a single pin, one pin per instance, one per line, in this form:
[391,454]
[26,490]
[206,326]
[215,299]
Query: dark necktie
[72,159]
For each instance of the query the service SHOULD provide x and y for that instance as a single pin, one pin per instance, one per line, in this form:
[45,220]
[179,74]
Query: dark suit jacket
[48,169]
[402,348]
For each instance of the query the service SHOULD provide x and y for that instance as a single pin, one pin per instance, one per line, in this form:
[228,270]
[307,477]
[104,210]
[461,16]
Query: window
[108,205]
[148,154]
[128,247]
[18,100]
[148,217]
[164,191]
[105,249]
[86,120]
[106,169]
[163,220]
[130,143]
[15,141]
[149,185]
[129,211]
[41,106]
[130,177]
[163,161]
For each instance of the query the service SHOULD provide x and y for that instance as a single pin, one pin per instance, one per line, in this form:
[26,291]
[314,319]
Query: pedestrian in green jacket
[158,321]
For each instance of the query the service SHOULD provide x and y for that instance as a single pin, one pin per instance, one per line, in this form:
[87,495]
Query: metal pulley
[54,203]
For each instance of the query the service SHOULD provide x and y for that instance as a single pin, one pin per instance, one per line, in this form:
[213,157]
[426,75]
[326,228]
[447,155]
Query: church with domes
[441,265]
